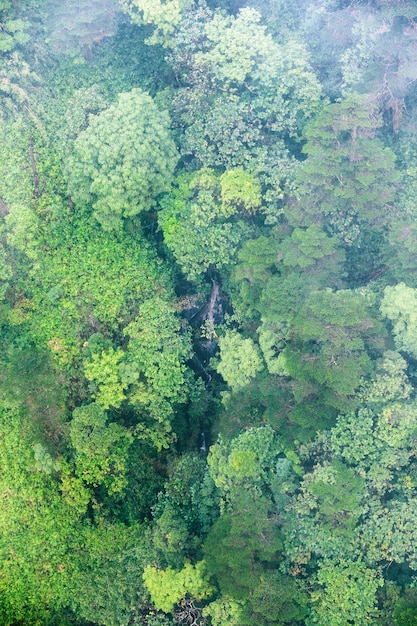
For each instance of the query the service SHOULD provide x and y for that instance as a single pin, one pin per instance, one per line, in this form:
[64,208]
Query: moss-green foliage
[347,594]
[349,176]
[68,299]
[168,587]
[197,219]
[123,160]
[280,196]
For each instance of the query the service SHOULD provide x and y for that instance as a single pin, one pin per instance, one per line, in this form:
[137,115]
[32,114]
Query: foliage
[241,545]
[242,97]
[347,594]
[100,448]
[69,305]
[155,468]
[240,360]
[123,160]
[196,220]
[163,15]
[348,179]
[168,587]
[399,305]
[104,370]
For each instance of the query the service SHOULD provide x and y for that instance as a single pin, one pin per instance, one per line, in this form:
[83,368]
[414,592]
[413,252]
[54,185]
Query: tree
[106,585]
[37,528]
[88,285]
[240,360]
[84,104]
[100,448]
[277,600]
[224,611]
[157,351]
[106,372]
[12,31]
[242,544]
[189,495]
[248,460]
[347,594]
[399,305]
[163,15]
[199,219]
[242,97]
[349,178]
[369,65]
[123,160]
[329,345]
[168,587]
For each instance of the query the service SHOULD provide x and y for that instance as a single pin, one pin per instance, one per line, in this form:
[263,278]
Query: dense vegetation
[208,308]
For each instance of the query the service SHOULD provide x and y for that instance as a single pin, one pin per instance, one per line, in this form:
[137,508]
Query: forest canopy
[208,309]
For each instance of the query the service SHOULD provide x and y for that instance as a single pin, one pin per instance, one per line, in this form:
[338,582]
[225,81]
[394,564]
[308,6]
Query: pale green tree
[248,460]
[106,371]
[224,611]
[240,360]
[156,351]
[163,15]
[168,587]
[200,218]
[123,160]
[346,594]
[399,305]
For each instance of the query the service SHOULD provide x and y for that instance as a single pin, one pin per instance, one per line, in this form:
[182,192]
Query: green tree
[277,600]
[349,178]
[156,353]
[240,360]
[123,160]
[168,587]
[88,284]
[190,498]
[164,16]
[329,347]
[224,611]
[12,31]
[106,586]
[347,594]
[247,460]
[242,544]
[369,65]
[243,98]
[399,305]
[38,528]
[100,448]
[405,609]
[198,223]
[107,374]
